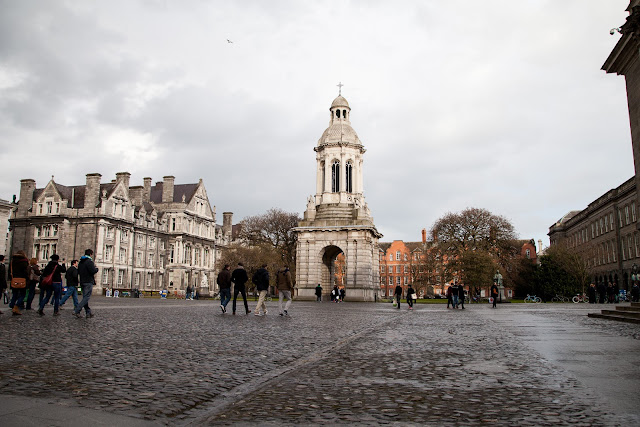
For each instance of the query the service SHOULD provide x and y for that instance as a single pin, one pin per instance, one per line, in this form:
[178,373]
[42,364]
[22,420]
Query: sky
[498,104]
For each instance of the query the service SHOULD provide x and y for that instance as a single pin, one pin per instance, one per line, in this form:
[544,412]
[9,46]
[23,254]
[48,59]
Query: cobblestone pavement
[183,362]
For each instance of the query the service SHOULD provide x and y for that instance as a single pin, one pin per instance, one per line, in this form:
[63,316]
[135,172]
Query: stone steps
[625,313]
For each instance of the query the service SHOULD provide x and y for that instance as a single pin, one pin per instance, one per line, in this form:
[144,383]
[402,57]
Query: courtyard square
[175,362]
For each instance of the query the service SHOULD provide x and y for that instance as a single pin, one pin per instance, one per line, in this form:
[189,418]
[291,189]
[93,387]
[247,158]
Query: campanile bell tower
[337,219]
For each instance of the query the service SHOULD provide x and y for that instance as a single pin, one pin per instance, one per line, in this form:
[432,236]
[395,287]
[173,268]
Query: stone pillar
[227,224]
[146,193]
[124,177]
[27,187]
[167,189]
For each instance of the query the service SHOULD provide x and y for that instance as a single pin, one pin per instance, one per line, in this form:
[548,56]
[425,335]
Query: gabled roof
[188,190]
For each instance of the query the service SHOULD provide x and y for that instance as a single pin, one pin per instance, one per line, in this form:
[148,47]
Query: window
[120,277]
[171,254]
[382,269]
[55,230]
[613,250]
[405,257]
[105,276]
[593,233]
[528,253]
[150,260]
[152,241]
[633,212]
[109,232]
[606,248]
[36,250]
[406,269]
[606,224]
[390,257]
[601,226]
[397,269]
[40,208]
[108,252]
[49,207]
[620,217]
[138,259]
[637,248]
[140,240]
[53,249]
[45,252]
[397,255]
[58,208]
[335,176]
[349,177]
[124,235]
[630,245]
[173,224]
[611,220]
[38,231]
[406,281]
[123,255]
[626,214]
[46,231]
[391,280]
[398,278]
[161,262]
[149,279]
[137,279]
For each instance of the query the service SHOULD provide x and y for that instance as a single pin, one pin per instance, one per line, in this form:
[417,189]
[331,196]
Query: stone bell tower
[337,219]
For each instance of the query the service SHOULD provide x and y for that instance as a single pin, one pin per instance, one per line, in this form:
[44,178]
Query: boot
[16,311]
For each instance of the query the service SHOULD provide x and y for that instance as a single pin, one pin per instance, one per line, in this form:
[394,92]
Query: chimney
[124,177]
[539,245]
[27,187]
[92,190]
[146,193]
[167,189]
[424,236]
[227,223]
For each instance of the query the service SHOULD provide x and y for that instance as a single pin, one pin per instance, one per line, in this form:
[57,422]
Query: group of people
[610,293]
[24,276]
[411,296]
[337,294]
[455,296]
[239,278]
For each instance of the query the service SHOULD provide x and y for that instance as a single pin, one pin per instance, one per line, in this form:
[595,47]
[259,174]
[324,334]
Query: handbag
[48,279]
[17,282]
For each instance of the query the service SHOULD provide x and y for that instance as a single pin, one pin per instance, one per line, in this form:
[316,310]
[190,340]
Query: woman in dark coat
[19,268]
[55,287]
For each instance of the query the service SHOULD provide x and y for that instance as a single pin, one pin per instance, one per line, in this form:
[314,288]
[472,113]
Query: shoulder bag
[17,282]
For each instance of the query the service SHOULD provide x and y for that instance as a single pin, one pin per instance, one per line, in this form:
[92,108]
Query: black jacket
[72,276]
[239,277]
[57,274]
[86,270]
[261,279]
[398,290]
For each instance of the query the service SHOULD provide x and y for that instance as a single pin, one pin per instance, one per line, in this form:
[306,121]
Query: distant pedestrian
[450,296]
[55,289]
[19,269]
[592,293]
[454,295]
[239,278]
[602,291]
[34,278]
[343,293]
[461,295]
[86,272]
[635,292]
[398,295]
[494,294]
[188,294]
[335,294]
[72,284]
[611,293]
[224,283]
[3,277]
[261,280]
[410,297]
[318,293]
[285,288]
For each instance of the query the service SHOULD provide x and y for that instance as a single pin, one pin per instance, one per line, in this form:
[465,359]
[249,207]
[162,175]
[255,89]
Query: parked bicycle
[580,298]
[532,298]
[559,298]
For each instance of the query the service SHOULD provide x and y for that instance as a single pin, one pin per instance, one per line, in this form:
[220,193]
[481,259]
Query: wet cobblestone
[181,362]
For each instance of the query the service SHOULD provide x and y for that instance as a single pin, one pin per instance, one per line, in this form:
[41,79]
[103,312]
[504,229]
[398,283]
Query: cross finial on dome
[339,88]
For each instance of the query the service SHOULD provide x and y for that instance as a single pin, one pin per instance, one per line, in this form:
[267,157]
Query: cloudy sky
[497,104]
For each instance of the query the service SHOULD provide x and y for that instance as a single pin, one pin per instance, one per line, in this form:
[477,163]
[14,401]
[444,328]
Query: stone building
[337,219]
[5,213]
[150,237]
[605,234]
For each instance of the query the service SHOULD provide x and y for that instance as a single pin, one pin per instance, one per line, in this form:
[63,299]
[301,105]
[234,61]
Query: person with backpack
[261,280]
[285,288]
[72,284]
[86,271]
[52,284]
[239,278]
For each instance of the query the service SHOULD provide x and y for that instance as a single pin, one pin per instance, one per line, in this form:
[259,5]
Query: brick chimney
[424,236]
[27,187]
[227,223]
[146,193]
[124,177]
[167,189]
[92,190]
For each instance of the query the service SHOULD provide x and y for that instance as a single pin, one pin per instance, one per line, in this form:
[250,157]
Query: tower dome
[339,130]
[340,101]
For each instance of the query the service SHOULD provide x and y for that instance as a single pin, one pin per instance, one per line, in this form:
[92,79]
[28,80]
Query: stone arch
[328,256]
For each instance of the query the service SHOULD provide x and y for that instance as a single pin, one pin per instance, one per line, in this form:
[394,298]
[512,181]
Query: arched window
[338,113]
[335,176]
[349,177]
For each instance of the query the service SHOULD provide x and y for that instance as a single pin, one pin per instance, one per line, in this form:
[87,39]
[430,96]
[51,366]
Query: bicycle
[532,298]
[559,298]
[579,298]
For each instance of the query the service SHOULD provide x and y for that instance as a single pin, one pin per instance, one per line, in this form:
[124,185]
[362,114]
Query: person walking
[34,278]
[461,295]
[454,294]
[239,278]
[285,288]
[224,282]
[3,277]
[611,292]
[602,291]
[86,272]
[635,292]
[450,295]
[410,296]
[188,294]
[55,289]
[494,294]
[19,269]
[261,280]
[592,293]
[335,293]
[72,284]
[398,295]
[318,293]
[343,293]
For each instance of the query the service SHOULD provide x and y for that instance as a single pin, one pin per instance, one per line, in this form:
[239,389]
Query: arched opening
[338,114]
[333,269]
[335,176]
[349,177]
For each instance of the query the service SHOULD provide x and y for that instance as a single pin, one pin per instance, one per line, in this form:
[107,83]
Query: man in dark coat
[398,295]
[261,280]
[461,295]
[602,291]
[224,282]
[86,271]
[239,278]
[72,284]
[318,293]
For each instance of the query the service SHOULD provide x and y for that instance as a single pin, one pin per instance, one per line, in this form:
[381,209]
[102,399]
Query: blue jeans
[17,298]
[455,301]
[72,292]
[225,296]
[56,289]
[87,288]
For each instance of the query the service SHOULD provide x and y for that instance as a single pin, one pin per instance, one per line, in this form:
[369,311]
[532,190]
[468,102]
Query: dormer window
[49,207]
